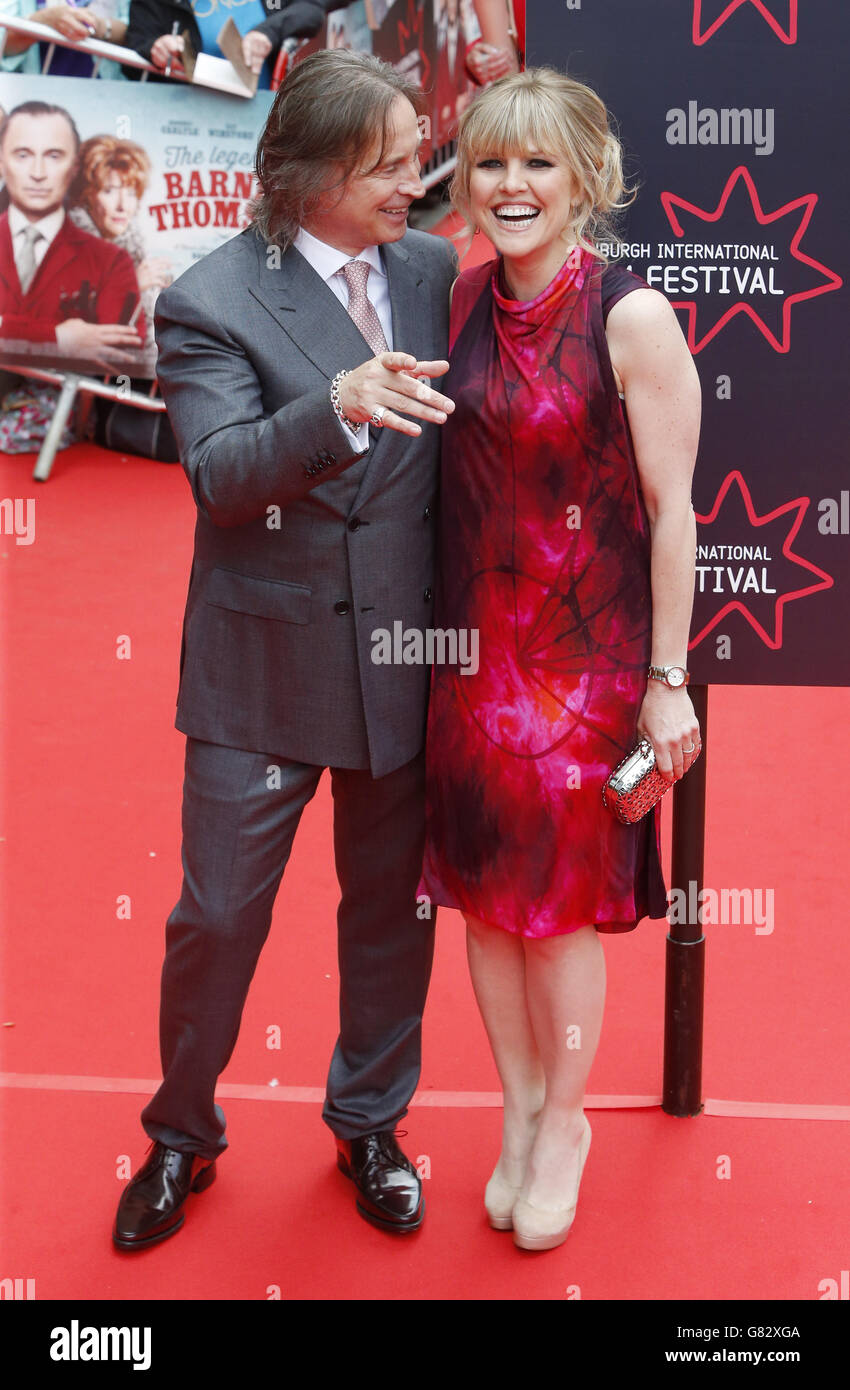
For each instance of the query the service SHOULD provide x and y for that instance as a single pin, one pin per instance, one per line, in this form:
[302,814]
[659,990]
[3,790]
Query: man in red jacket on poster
[64,293]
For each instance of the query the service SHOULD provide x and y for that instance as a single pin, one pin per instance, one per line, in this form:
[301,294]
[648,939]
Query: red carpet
[654,1222]
[90,821]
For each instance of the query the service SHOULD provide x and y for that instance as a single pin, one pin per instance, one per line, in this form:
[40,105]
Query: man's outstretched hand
[396,381]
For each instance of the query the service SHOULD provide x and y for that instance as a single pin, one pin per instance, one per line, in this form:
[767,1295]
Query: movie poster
[455,29]
[348,27]
[427,40]
[729,122]
[146,179]
[161,176]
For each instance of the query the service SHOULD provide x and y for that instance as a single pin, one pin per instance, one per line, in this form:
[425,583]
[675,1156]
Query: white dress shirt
[327,261]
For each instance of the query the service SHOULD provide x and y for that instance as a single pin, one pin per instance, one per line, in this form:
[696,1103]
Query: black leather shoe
[388,1185]
[151,1206]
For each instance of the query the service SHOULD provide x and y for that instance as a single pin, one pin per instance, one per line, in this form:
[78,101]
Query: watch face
[675,676]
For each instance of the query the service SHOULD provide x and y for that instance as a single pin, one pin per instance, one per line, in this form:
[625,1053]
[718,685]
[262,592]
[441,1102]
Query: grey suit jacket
[302,548]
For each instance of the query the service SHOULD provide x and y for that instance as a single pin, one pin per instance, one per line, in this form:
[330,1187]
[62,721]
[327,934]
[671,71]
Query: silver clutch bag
[635,785]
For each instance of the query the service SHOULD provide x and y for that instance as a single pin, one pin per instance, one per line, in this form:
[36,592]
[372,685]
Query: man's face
[374,203]
[37,161]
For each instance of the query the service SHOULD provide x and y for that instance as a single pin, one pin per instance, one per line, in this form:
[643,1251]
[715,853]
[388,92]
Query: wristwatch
[673,676]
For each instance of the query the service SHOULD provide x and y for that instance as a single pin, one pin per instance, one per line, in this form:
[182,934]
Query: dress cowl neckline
[533,313]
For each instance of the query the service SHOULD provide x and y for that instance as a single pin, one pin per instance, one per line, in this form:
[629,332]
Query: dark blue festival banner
[731,114]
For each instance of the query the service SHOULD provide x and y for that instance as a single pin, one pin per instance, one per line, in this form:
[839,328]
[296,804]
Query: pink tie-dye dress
[544,577]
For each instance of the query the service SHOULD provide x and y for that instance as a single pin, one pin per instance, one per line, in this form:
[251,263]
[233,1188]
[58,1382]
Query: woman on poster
[567,542]
[111,179]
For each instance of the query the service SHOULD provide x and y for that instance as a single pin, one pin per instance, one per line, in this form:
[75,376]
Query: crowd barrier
[99,49]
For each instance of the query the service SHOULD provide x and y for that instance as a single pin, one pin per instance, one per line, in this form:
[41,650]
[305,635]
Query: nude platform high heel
[499,1200]
[538,1228]
[500,1196]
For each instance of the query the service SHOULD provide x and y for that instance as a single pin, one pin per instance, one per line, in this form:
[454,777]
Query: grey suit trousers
[238,831]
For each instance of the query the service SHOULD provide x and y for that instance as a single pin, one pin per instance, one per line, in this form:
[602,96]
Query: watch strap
[661,673]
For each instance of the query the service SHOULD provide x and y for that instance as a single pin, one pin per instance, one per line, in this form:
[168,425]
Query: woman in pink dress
[567,546]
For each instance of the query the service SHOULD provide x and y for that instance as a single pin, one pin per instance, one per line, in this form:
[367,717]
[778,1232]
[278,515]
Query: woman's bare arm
[662,393]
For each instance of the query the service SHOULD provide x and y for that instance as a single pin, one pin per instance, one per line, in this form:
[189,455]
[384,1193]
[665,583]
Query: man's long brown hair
[329,119]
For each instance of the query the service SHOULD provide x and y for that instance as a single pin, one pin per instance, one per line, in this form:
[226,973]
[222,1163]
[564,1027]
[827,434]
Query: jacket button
[427,595]
[426,515]
[342,606]
[355,524]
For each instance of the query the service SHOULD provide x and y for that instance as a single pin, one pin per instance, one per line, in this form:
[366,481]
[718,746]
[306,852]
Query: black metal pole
[684,991]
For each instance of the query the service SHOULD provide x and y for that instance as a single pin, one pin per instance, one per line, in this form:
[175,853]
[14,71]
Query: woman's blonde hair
[545,110]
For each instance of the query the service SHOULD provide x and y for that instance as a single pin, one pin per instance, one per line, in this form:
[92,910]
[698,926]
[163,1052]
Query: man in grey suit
[295,363]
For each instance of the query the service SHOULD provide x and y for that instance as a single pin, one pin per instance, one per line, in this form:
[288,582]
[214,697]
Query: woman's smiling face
[523,202]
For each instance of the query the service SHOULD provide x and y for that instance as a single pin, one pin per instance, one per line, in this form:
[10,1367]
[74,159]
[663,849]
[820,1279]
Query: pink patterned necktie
[360,306]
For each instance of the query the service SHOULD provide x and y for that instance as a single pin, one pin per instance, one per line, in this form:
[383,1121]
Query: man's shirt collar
[48,226]
[328,260]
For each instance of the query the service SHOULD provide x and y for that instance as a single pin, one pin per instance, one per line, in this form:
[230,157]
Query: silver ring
[689,750]
[377,416]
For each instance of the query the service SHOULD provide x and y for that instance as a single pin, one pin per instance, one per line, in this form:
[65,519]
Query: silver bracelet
[337,405]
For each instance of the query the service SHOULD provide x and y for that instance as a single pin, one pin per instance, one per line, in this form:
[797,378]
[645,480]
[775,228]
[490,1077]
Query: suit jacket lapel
[310,314]
[411,333]
[408,298]
[8,272]
[60,253]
